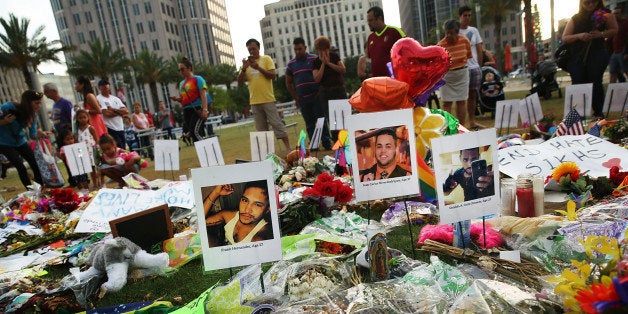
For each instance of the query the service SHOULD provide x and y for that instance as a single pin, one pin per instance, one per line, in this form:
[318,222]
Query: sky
[243,15]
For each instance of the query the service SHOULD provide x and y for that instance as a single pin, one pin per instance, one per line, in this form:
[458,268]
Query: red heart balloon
[420,67]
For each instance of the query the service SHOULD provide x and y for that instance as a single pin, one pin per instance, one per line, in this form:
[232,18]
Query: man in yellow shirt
[259,71]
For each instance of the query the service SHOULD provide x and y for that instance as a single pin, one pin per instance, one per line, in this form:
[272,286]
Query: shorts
[617,64]
[475,76]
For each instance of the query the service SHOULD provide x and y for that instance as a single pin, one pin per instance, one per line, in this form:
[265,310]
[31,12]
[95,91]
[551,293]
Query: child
[67,138]
[490,86]
[114,164]
[129,133]
[87,134]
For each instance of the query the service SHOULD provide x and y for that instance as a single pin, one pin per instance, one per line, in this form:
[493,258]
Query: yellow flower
[569,168]
[600,244]
[571,213]
[426,127]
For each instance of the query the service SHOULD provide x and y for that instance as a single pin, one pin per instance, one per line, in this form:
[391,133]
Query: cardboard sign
[315,141]
[262,144]
[506,113]
[145,228]
[110,204]
[339,112]
[530,110]
[616,99]
[78,158]
[230,195]
[579,97]
[166,155]
[592,154]
[466,175]
[209,153]
[388,167]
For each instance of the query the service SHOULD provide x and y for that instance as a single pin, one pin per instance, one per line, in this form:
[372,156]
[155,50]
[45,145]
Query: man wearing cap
[112,111]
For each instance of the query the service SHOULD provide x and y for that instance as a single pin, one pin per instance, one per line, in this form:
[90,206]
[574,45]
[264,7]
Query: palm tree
[17,50]
[222,74]
[149,69]
[494,12]
[101,60]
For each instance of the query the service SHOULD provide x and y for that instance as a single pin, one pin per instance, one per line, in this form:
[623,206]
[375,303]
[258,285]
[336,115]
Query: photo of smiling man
[388,152]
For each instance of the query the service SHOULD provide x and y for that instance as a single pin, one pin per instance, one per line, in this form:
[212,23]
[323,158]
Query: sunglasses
[182,69]
[39,94]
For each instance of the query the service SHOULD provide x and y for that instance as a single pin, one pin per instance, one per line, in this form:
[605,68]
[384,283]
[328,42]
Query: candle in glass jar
[525,196]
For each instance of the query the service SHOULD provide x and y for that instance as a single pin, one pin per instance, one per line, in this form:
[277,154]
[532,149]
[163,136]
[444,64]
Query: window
[513,43]
[504,31]
[92,35]
[88,17]
[148,8]
[513,30]
[512,17]
[143,45]
[85,1]
[140,28]
[151,26]
[155,44]
[163,8]
[136,9]
[166,25]
[81,38]
[77,18]
[72,3]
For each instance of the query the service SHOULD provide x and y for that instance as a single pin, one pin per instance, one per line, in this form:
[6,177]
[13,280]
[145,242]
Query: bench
[286,108]
[144,142]
[215,122]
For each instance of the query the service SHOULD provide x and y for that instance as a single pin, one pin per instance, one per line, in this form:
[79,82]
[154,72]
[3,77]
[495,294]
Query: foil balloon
[381,93]
[420,67]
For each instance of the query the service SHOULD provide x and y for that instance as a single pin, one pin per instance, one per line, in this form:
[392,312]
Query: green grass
[189,281]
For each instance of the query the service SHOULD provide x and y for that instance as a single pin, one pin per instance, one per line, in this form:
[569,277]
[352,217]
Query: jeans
[591,71]
[311,110]
[13,155]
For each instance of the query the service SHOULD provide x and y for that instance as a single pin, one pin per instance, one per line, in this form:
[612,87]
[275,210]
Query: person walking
[380,41]
[585,33]
[195,100]
[90,104]
[163,120]
[473,64]
[113,109]
[259,71]
[14,118]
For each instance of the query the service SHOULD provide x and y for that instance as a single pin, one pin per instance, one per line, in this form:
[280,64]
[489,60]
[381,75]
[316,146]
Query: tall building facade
[423,19]
[12,84]
[343,21]
[198,29]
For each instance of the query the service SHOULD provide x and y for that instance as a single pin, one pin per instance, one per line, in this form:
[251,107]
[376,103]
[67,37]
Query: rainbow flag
[427,181]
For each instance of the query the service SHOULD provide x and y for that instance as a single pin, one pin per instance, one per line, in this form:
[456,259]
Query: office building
[12,84]
[197,29]
[344,22]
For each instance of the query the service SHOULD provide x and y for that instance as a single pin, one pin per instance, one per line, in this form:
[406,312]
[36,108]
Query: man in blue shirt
[61,110]
[304,89]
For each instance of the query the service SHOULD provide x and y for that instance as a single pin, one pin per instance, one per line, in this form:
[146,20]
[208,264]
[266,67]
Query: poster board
[262,144]
[460,195]
[339,112]
[616,99]
[251,180]
[208,152]
[530,110]
[145,228]
[506,113]
[166,155]
[315,141]
[579,97]
[78,158]
[592,154]
[377,150]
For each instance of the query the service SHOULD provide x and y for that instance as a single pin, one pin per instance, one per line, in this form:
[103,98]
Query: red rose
[344,194]
[324,177]
[328,189]
[310,191]
[575,175]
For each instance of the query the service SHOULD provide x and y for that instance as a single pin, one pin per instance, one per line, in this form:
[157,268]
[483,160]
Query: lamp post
[478,16]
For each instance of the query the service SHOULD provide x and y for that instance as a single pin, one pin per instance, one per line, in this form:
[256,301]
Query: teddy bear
[114,257]
[126,156]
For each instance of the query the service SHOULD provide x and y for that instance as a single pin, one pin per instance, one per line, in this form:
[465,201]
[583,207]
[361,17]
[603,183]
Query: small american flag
[571,125]
[595,130]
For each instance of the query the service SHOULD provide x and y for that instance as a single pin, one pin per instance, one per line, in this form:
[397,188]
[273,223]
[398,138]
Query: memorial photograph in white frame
[364,127]
[205,180]
[448,153]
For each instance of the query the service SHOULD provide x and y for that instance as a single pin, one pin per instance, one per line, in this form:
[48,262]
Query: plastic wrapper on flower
[279,165]
[232,297]
[391,296]
[342,224]
[612,209]
[490,296]
[554,253]
[306,244]
[419,212]
[440,275]
[400,264]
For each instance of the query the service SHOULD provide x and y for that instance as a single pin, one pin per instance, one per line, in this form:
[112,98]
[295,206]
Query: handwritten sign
[591,153]
[506,113]
[166,155]
[530,110]
[111,204]
[339,112]
[209,153]
[616,99]
[315,141]
[78,158]
[262,143]
[579,97]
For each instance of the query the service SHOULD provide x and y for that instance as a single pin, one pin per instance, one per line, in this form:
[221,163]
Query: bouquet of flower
[617,131]
[599,18]
[65,200]
[326,186]
[568,176]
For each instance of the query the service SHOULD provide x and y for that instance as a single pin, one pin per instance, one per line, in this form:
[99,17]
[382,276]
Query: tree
[528,26]
[149,70]
[494,12]
[101,60]
[222,74]
[17,50]
[281,92]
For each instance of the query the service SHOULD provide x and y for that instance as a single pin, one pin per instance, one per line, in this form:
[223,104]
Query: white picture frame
[315,141]
[339,112]
[530,110]
[217,254]
[507,113]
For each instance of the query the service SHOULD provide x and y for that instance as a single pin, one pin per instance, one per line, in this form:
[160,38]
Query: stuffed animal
[115,256]
[294,156]
[126,156]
